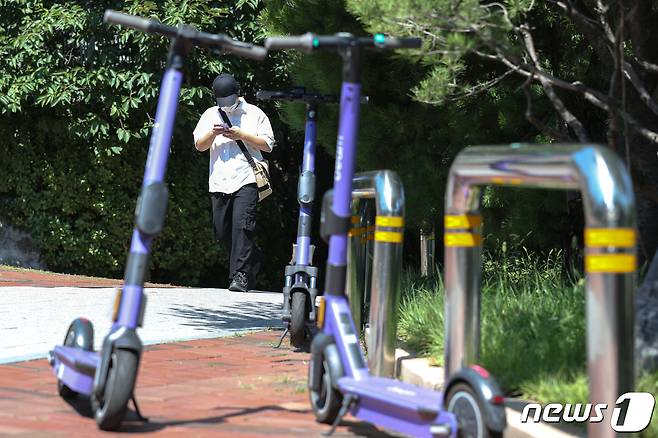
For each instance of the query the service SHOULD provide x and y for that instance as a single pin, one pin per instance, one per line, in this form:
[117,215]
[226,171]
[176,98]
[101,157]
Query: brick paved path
[235,386]
[10,276]
[229,387]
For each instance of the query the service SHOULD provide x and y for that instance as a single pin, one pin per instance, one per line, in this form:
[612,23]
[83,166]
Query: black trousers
[234,222]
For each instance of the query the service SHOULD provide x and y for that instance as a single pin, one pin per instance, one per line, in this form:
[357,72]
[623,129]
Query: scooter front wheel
[467,408]
[327,401]
[298,317]
[111,408]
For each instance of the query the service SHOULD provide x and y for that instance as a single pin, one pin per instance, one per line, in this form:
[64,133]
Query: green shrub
[521,295]
[78,100]
[533,326]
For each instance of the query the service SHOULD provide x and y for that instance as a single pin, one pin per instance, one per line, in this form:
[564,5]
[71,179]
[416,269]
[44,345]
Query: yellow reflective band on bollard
[462,239]
[601,237]
[506,180]
[389,221]
[461,221]
[388,236]
[610,263]
[117,304]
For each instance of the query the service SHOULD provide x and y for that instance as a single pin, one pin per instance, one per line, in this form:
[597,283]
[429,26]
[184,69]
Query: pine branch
[529,115]
[593,96]
[573,122]
[500,53]
[639,86]
[589,27]
[480,87]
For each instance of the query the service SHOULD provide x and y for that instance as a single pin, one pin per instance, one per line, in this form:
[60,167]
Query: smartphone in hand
[220,128]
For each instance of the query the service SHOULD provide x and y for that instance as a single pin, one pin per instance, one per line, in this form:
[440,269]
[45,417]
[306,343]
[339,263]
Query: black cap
[226,89]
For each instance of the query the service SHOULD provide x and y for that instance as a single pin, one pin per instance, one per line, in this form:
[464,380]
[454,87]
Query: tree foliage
[78,100]
[407,132]
[590,61]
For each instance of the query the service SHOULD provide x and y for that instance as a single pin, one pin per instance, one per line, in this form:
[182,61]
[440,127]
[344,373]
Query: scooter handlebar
[401,43]
[246,50]
[310,41]
[139,23]
[303,43]
[298,94]
[267,95]
[205,39]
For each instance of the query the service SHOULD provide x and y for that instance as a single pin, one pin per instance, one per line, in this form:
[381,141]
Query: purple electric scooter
[108,377]
[339,379]
[299,290]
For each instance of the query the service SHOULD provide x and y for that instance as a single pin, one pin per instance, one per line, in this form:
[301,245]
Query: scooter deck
[400,406]
[82,361]
[75,368]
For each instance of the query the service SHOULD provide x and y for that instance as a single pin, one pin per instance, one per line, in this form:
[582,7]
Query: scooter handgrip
[303,43]
[403,43]
[139,23]
[266,95]
[246,50]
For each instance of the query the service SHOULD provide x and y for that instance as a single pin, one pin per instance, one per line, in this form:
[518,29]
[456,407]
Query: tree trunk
[646,320]
[641,25]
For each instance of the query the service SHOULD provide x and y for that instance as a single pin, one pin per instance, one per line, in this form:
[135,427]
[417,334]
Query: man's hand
[205,142]
[234,133]
[219,128]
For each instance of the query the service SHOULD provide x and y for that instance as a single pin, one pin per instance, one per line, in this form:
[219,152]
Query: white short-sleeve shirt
[229,168]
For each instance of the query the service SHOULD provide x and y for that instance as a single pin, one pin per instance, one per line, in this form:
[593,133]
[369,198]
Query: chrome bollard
[355,275]
[369,215]
[385,189]
[610,260]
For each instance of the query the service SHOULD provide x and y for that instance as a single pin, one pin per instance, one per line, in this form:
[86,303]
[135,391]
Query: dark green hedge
[78,100]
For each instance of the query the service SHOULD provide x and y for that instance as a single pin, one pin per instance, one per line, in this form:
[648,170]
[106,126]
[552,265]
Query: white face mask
[230,109]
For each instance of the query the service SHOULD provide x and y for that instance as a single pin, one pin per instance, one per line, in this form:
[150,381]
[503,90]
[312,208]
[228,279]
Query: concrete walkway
[34,319]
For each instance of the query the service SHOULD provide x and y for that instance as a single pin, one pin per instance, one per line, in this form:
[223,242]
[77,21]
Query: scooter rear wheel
[464,403]
[79,335]
[299,314]
[111,409]
[326,402]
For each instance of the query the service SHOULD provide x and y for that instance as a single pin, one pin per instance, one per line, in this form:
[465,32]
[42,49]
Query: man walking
[231,180]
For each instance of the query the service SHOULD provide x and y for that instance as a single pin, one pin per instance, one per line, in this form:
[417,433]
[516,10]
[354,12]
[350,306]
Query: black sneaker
[239,283]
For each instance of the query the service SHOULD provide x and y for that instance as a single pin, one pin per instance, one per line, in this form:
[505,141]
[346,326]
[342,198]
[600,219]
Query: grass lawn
[533,328]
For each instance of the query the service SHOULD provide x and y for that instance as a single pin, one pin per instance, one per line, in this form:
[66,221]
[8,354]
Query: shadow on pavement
[357,428]
[81,405]
[242,316]
[131,423]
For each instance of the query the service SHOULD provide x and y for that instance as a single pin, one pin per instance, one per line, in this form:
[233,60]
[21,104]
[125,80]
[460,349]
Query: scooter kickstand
[347,404]
[140,417]
[282,337]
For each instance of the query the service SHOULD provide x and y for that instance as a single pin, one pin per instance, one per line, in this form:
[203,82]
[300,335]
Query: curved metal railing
[610,260]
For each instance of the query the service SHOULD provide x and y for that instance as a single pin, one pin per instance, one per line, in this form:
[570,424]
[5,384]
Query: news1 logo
[632,412]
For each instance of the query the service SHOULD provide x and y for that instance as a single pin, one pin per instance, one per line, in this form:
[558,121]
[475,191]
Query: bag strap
[243,148]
